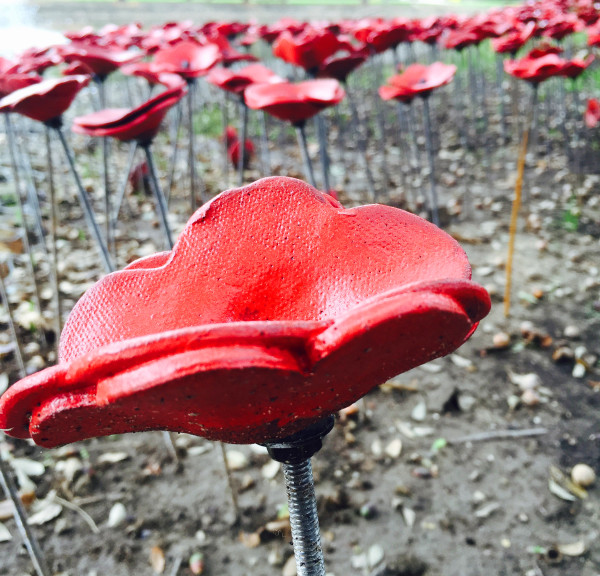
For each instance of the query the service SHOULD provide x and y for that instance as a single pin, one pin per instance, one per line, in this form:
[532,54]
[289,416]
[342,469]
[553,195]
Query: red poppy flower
[562,25]
[592,113]
[307,50]
[535,70]
[237,81]
[428,29]
[45,100]
[229,55]
[294,103]
[380,34]
[576,66]
[233,147]
[514,40]
[259,322]
[141,123]
[100,59]
[543,49]
[339,66]
[417,80]
[593,34]
[462,38]
[11,79]
[188,59]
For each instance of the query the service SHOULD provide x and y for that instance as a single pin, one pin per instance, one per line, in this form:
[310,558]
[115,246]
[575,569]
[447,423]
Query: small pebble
[501,340]
[583,475]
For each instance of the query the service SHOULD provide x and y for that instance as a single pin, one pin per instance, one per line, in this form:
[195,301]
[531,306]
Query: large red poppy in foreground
[275,308]
[295,103]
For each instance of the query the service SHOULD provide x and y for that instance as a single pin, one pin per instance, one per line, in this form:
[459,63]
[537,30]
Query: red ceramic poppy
[307,50]
[237,81]
[535,70]
[576,66]
[380,34]
[11,79]
[593,34]
[229,55]
[141,123]
[275,308]
[294,103]
[592,113]
[188,59]
[46,100]
[462,38]
[339,66]
[428,29]
[102,60]
[514,40]
[417,80]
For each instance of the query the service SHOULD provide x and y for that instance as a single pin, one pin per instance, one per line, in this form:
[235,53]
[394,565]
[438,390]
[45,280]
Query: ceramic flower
[591,116]
[535,70]
[141,123]
[101,59]
[46,100]
[275,307]
[417,80]
[188,59]
[237,81]
[294,103]
[308,49]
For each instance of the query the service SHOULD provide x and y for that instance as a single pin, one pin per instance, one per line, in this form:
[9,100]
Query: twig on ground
[499,435]
[88,519]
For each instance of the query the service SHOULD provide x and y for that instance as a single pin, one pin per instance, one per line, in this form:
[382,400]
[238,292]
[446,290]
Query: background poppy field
[460,467]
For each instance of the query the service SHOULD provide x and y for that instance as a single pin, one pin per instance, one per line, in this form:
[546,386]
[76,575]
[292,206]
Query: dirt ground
[457,468]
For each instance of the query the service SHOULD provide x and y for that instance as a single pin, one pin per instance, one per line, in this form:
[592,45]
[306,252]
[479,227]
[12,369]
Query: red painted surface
[417,80]
[275,308]
[44,100]
[141,123]
[237,81]
[294,103]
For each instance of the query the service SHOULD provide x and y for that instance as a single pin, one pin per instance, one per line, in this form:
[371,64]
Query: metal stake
[308,169]
[295,453]
[433,200]
[33,547]
[85,202]
[161,203]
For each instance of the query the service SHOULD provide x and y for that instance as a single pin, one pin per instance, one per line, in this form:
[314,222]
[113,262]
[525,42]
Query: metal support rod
[25,234]
[85,202]
[362,142]
[161,203]
[308,169]
[13,331]
[295,453]
[433,200]
[29,539]
[31,192]
[501,97]
[244,131]
[225,120]
[323,155]
[58,311]
[264,139]
[175,144]
[191,147]
[123,190]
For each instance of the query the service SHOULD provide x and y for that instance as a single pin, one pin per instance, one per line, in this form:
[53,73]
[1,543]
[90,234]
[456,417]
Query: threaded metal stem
[302,505]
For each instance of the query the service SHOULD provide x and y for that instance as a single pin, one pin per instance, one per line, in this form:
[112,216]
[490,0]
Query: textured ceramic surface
[276,307]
